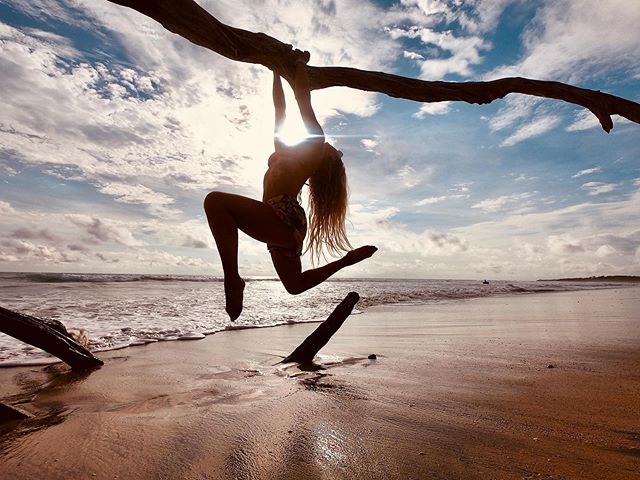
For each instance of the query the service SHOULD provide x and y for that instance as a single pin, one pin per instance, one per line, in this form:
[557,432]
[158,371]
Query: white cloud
[522,177]
[408,176]
[565,41]
[485,15]
[517,107]
[564,244]
[431,200]
[12,250]
[64,11]
[92,129]
[342,100]
[80,242]
[442,198]
[378,226]
[369,144]
[6,208]
[31,233]
[535,128]
[192,242]
[560,242]
[504,202]
[605,251]
[430,8]
[459,190]
[445,52]
[596,188]
[586,171]
[464,187]
[412,55]
[463,52]
[435,108]
[138,194]
[102,230]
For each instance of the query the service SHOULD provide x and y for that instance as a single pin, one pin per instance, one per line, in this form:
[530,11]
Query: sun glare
[293,132]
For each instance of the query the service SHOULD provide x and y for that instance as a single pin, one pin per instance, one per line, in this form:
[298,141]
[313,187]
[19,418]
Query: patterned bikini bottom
[292,214]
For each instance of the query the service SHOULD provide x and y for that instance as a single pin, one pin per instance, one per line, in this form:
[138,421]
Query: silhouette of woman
[279,220]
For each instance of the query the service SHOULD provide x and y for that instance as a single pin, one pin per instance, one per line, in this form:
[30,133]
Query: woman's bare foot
[359,254]
[233,292]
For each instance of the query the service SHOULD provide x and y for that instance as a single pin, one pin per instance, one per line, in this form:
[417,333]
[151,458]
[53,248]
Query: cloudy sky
[113,130]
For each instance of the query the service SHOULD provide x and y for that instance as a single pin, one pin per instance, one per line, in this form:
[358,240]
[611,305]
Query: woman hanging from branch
[279,220]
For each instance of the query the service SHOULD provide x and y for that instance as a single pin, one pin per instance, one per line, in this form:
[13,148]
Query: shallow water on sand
[123,310]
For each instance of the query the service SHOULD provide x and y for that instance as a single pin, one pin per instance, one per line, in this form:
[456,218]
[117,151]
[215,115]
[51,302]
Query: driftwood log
[321,335]
[187,19]
[9,413]
[48,335]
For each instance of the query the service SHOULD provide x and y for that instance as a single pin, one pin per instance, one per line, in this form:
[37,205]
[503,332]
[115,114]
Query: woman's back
[289,169]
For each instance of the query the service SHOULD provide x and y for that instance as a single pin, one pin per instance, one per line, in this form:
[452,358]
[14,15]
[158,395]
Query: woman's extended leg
[296,281]
[226,213]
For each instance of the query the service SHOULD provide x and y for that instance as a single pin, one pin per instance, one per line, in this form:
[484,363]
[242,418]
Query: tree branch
[189,20]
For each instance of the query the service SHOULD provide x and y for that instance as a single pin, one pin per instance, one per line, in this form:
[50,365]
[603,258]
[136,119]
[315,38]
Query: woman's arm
[280,107]
[303,97]
[311,151]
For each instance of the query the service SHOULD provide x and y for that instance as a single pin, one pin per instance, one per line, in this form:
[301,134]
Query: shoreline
[143,342]
[458,390]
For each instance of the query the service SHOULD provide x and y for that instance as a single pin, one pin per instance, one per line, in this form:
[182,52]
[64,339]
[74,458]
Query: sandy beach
[530,386]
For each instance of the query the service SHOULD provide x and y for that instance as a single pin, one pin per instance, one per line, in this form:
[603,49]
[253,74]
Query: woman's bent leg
[225,232]
[296,281]
[226,213]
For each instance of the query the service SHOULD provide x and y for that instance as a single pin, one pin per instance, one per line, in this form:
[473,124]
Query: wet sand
[458,391]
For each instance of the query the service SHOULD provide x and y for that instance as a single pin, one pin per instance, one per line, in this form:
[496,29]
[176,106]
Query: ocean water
[118,311]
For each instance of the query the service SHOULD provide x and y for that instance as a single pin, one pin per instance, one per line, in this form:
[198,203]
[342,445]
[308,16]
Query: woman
[279,220]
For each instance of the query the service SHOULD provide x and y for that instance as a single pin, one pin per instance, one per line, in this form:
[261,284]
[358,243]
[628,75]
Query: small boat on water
[485,282]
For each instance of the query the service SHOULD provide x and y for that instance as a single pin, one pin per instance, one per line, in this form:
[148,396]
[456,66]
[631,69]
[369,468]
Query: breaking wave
[106,277]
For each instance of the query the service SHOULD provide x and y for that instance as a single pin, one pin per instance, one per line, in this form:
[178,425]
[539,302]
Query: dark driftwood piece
[187,19]
[321,335]
[49,335]
[9,413]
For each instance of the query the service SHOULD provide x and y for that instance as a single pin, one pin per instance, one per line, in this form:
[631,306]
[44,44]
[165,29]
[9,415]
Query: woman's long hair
[328,198]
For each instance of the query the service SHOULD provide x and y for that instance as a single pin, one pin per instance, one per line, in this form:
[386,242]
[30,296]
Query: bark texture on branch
[321,335]
[48,335]
[187,19]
